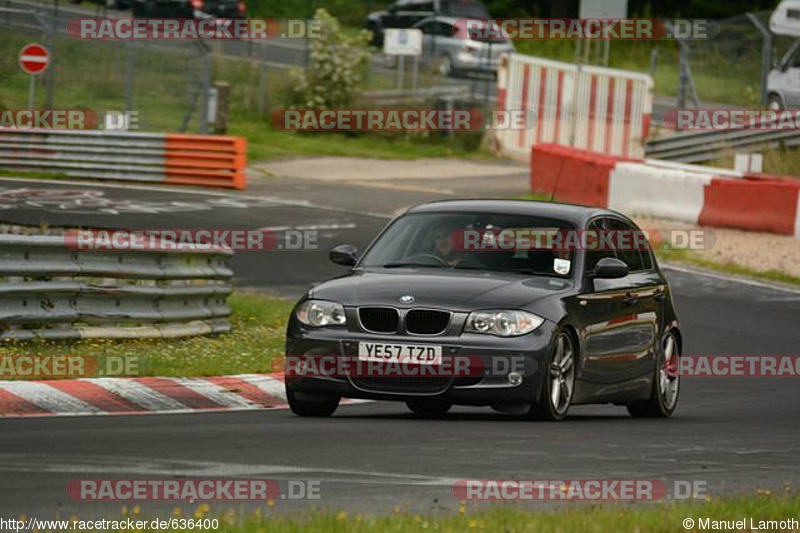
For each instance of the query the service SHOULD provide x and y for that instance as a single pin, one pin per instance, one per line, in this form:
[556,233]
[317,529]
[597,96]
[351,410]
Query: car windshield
[472,241]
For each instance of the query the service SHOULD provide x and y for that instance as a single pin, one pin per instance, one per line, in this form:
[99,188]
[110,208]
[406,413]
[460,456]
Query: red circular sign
[34,58]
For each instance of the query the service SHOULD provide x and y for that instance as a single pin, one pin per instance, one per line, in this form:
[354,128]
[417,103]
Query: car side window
[628,247]
[446,30]
[429,28]
[593,256]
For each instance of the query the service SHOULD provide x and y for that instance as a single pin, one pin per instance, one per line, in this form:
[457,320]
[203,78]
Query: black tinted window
[600,225]
[629,244]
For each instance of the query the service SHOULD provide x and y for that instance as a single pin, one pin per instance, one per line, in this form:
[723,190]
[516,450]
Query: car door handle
[658,295]
[629,299]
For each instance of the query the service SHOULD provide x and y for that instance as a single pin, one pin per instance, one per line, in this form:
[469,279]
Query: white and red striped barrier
[149,395]
[690,193]
[592,108]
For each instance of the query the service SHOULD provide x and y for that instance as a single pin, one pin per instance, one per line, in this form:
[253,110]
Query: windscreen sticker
[561,266]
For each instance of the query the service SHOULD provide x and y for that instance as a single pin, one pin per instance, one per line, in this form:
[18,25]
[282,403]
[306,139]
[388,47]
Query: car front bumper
[525,355]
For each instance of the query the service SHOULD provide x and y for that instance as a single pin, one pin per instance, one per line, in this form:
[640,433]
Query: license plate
[400,353]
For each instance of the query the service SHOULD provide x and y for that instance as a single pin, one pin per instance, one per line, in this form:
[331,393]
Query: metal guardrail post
[766,54]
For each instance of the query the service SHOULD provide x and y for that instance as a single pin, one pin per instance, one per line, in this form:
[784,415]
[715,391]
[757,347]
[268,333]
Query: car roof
[578,215]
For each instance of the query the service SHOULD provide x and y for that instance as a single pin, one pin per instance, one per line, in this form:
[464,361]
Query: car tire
[311,409]
[665,389]
[774,103]
[560,374]
[429,407]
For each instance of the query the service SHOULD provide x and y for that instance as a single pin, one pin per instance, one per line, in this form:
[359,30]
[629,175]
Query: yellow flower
[341,515]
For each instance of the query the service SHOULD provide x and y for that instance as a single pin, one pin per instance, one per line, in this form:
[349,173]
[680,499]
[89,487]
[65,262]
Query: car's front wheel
[429,407]
[311,408]
[666,383]
[559,381]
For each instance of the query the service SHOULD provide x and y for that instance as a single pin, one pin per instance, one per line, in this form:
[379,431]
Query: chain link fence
[729,69]
[165,82]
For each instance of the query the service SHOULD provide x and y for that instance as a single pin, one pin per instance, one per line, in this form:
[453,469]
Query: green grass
[258,321]
[265,142]
[511,518]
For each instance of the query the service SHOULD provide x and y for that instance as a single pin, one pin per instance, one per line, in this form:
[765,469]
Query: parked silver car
[453,53]
[783,84]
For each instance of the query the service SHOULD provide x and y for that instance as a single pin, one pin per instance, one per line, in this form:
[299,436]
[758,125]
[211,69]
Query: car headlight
[502,323]
[318,313]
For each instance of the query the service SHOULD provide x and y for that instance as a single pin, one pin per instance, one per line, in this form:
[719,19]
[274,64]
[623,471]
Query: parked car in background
[783,84]
[453,52]
[197,9]
[406,13]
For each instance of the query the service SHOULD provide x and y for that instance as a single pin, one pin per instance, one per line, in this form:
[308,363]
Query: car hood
[440,289]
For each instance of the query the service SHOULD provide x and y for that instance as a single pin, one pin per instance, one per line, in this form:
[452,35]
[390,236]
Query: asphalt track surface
[734,434]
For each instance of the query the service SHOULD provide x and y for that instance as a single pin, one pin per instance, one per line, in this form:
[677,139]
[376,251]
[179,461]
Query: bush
[336,70]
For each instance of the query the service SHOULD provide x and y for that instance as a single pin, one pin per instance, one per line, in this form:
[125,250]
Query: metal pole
[400,69]
[262,80]
[129,68]
[766,55]
[683,81]
[50,80]
[415,75]
[32,92]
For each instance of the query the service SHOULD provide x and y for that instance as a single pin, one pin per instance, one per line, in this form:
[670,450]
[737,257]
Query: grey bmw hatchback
[547,306]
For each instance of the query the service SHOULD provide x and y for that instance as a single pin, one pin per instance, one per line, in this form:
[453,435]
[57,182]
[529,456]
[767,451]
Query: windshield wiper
[402,264]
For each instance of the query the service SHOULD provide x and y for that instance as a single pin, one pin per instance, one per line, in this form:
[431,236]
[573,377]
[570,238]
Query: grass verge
[520,518]
[688,257]
[259,323]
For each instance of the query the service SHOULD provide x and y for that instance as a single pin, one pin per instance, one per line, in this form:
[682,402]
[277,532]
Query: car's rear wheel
[559,381]
[429,407]
[666,383]
[311,408]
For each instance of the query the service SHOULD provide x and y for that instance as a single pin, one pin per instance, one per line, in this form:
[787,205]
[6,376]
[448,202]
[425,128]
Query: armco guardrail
[698,146]
[208,160]
[49,291]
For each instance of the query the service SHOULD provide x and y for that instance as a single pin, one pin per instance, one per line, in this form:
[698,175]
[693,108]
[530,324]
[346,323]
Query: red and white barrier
[592,108]
[689,193]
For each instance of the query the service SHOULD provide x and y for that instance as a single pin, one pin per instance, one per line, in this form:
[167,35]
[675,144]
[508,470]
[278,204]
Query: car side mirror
[609,268]
[344,254]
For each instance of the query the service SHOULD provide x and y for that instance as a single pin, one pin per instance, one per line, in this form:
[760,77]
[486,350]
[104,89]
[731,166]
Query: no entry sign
[34,58]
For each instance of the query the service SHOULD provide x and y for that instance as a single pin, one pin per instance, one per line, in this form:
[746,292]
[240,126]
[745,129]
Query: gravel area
[755,250]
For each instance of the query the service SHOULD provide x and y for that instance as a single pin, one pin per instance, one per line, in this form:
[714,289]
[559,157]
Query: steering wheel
[436,258]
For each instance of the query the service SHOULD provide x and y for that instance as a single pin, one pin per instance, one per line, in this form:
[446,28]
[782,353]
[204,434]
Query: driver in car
[444,247]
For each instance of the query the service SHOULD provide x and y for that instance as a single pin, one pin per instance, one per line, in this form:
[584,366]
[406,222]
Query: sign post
[403,42]
[33,60]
